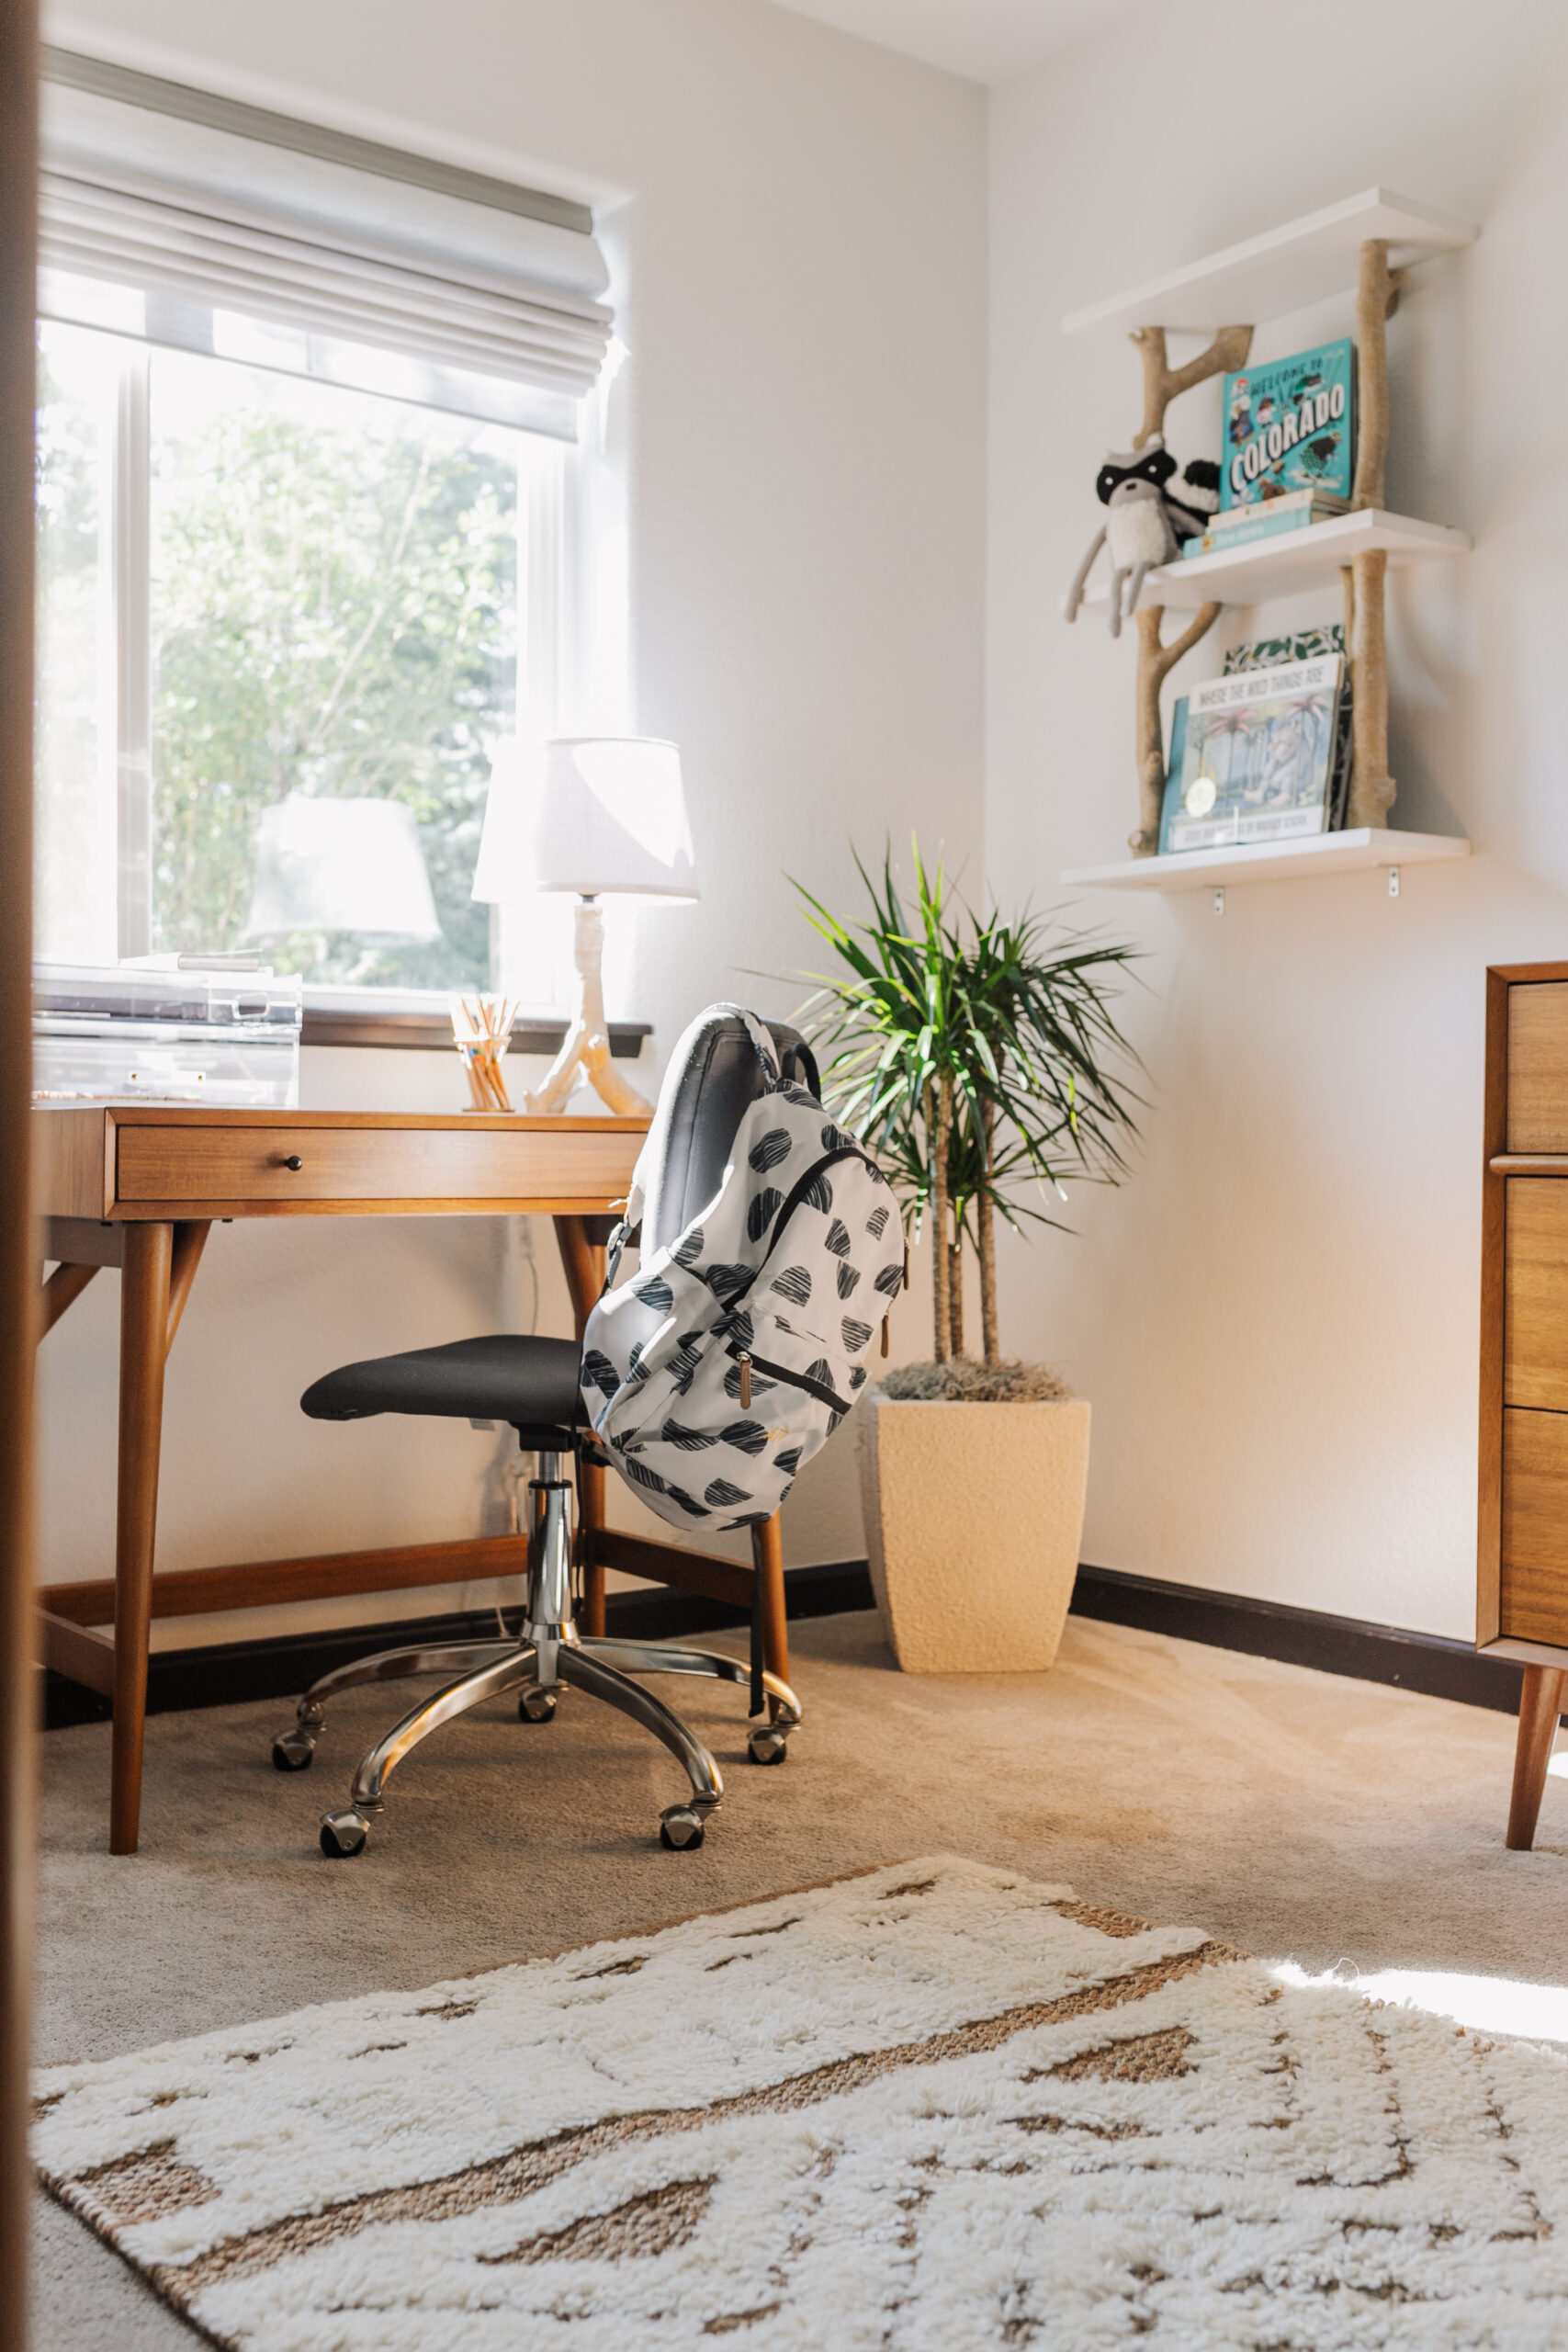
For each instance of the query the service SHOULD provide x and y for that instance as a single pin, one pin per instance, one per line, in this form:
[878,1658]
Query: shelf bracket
[1394,881]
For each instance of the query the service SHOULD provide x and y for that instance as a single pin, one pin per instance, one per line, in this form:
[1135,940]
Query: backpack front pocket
[777,1354]
[760,1402]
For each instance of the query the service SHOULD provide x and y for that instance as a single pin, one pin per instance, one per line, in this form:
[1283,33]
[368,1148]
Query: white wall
[1277,1319]
[799,223]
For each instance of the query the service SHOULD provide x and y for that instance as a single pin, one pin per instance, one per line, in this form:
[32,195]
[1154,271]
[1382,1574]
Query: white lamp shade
[340,865]
[600,815]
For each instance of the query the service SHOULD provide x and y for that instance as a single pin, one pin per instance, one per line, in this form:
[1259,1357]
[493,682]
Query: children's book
[1310,645]
[1291,424]
[1261,523]
[1318,503]
[1252,757]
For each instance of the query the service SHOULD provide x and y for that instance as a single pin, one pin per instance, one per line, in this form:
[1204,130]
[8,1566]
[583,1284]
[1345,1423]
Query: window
[74,728]
[309,549]
[253,587]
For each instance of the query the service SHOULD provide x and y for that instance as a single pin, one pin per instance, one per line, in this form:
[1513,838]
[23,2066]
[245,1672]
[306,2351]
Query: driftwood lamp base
[586,1052]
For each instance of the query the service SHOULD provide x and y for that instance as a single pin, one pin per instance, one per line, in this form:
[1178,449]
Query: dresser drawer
[182,1166]
[1534,1593]
[1538,1066]
[1535,1278]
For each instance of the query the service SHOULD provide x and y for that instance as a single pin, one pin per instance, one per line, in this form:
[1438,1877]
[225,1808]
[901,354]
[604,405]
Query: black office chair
[534,1384]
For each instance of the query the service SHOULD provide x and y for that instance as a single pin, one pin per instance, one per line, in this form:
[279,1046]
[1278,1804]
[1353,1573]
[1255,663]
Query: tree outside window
[331,607]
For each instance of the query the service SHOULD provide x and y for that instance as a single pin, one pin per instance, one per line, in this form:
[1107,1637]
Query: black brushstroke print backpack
[732,1355]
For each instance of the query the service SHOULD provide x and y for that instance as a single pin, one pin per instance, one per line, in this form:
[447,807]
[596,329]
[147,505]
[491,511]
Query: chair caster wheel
[537,1707]
[681,1829]
[768,1745]
[294,1751]
[343,1834]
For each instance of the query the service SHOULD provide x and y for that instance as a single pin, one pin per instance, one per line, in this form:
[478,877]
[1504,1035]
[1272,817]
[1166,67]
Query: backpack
[733,1354]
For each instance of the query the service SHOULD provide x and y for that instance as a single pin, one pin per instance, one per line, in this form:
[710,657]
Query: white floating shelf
[1311,558]
[1207,869]
[1269,276]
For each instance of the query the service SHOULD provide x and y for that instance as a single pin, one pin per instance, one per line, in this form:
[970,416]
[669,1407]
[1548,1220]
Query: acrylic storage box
[118,1033]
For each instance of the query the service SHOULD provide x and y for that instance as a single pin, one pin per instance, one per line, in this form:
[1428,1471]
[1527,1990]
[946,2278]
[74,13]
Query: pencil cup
[481,1031]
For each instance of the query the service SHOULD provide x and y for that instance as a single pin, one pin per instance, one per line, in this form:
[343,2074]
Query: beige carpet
[1293,1814]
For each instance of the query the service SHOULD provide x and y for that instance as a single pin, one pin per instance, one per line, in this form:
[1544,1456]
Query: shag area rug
[929,2109]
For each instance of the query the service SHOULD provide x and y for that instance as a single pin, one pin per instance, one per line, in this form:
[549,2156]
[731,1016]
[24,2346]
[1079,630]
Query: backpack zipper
[818,1389]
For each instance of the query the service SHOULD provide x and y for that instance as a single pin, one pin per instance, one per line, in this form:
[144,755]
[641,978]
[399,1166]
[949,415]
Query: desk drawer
[1535,1277]
[1534,1596]
[1538,1066]
[438,1167]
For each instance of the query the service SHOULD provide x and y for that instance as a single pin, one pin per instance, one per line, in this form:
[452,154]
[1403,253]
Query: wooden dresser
[1522,1548]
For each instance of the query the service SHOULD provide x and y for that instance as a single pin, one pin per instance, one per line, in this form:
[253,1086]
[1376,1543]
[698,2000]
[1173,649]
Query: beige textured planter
[973,1519]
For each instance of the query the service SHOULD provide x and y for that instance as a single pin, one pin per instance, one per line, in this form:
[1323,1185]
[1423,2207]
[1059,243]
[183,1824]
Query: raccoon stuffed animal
[1146,523]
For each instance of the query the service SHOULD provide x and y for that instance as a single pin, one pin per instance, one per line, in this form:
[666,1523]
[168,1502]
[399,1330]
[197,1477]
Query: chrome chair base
[547,1653]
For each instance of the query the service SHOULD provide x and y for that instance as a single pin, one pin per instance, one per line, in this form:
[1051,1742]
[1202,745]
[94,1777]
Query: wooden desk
[139,1186]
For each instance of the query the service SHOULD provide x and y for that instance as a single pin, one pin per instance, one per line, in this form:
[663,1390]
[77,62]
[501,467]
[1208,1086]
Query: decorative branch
[1156,662]
[1162,383]
[1377,297]
[1371,787]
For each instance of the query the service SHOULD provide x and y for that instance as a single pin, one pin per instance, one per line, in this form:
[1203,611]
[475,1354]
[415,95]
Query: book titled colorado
[1291,424]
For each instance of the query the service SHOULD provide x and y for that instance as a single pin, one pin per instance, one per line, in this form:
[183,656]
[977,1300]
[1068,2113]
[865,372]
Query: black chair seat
[506,1377]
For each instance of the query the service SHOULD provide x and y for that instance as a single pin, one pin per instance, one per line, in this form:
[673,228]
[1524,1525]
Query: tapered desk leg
[583,1260]
[767,1558]
[1541,1703]
[143,1347]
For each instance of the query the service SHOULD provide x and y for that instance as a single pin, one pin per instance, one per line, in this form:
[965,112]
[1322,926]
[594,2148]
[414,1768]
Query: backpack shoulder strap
[762,1046]
[797,1063]
[767,1052]
[781,1066]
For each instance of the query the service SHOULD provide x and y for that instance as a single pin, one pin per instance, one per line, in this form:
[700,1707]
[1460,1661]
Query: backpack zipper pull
[887,1342]
[745,1378]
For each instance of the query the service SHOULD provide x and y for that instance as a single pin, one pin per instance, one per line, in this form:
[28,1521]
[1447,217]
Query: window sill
[431,1031]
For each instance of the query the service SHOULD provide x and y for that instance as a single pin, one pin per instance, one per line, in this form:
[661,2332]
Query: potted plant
[974,1057]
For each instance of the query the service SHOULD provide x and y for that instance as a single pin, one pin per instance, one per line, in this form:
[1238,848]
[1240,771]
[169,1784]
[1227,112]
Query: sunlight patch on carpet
[1488,2003]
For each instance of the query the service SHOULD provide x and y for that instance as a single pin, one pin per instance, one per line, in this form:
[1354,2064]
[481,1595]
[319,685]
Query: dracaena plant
[979,1060]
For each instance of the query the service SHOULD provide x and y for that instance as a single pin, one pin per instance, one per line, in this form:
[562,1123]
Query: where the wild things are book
[1306,645]
[1289,425]
[1252,757]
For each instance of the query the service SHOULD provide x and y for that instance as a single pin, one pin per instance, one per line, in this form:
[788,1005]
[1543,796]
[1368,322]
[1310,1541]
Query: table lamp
[324,865]
[597,816]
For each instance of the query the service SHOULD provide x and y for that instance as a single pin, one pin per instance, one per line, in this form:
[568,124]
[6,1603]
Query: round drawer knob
[293,1160]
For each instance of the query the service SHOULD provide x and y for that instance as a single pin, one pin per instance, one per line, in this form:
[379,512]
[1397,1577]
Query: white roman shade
[202,210]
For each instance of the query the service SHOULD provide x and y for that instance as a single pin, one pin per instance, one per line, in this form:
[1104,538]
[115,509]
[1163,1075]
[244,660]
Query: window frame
[554,591]
[404,1029]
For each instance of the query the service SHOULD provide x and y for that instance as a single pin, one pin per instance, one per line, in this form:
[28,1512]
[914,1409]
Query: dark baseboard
[1426,1662]
[282,1666]
[222,1673]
